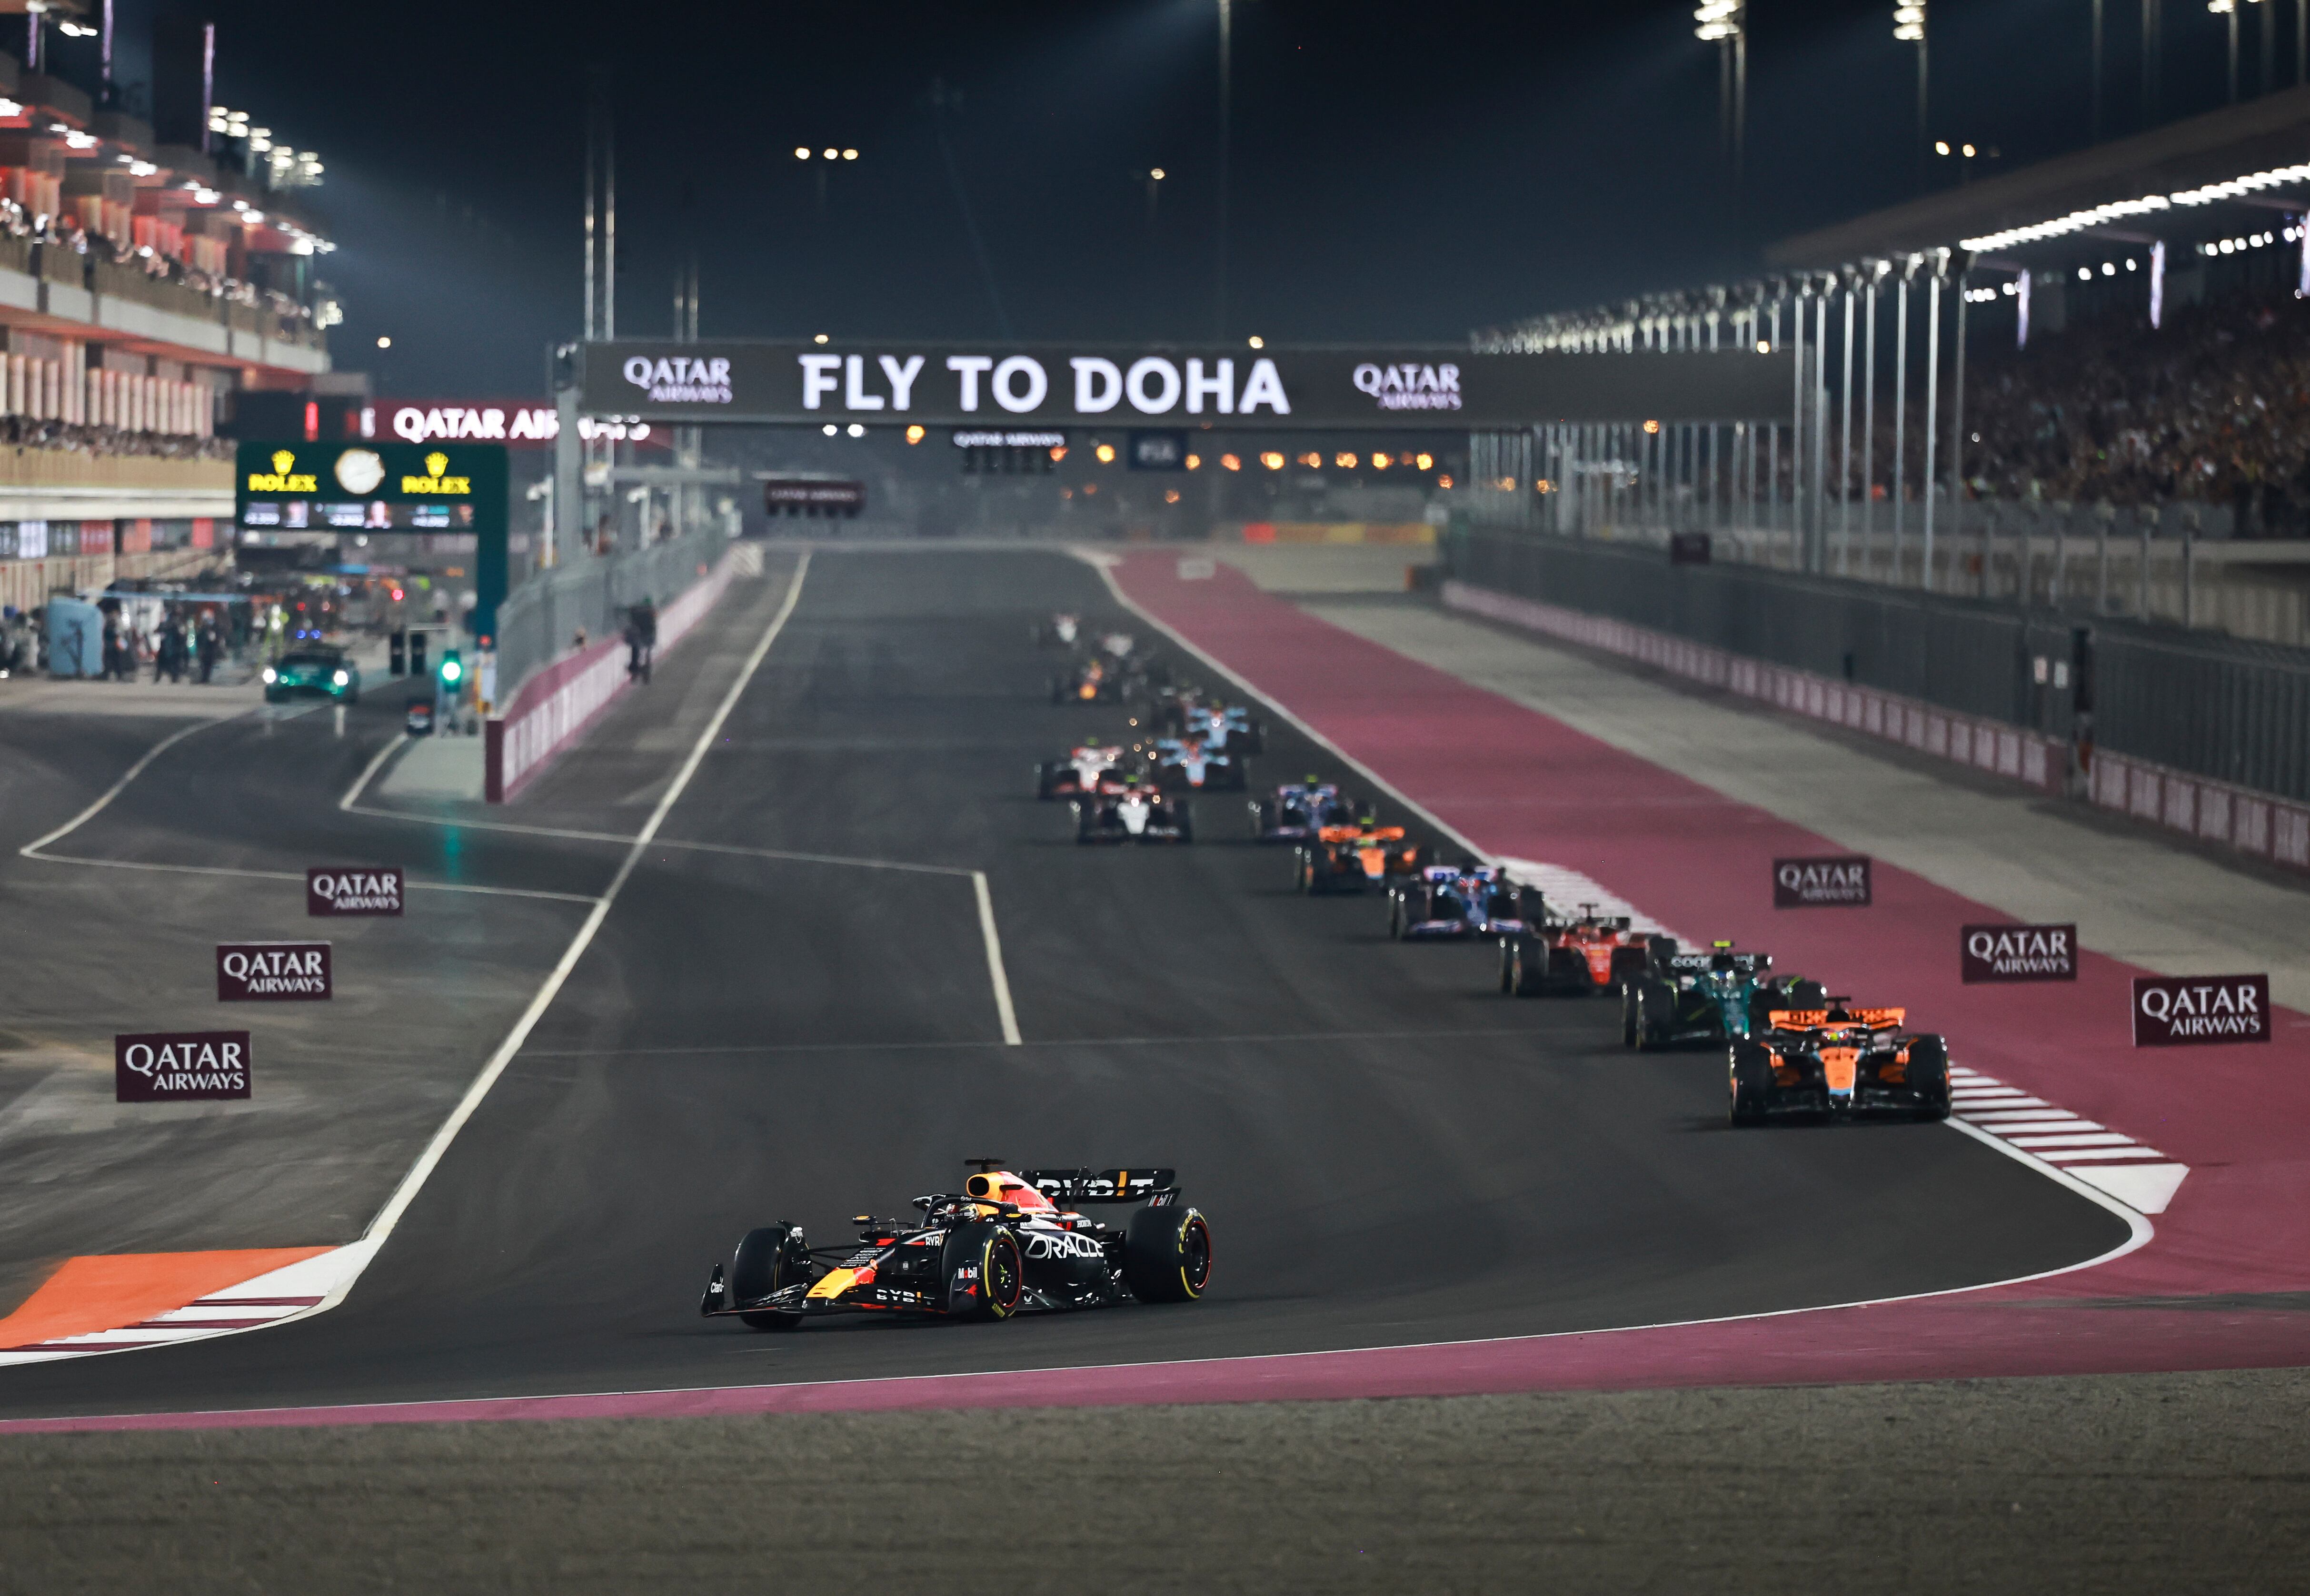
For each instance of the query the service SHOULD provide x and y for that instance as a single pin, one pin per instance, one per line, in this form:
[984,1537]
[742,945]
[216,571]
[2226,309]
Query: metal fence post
[2141,573]
[1900,415]
[1933,413]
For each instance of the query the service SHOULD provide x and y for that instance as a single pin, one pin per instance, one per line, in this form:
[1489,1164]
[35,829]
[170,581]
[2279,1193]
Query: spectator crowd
[2213,407]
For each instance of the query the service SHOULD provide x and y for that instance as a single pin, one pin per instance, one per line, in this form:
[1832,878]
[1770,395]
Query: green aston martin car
[309,672]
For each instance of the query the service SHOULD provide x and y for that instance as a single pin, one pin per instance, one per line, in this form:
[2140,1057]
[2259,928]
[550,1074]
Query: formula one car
[1350,858]
[1452,901]
[1187,763]
[1061,631]
[1716,997]
[1841,1061]
[1301,810]
[1006,1243]
[1086,768]
[1093,680]
[1586,953]
[1190,711]
[1138,811]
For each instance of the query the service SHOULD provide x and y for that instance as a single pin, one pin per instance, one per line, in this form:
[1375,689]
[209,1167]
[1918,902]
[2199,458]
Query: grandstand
[2083,384]
[151,271]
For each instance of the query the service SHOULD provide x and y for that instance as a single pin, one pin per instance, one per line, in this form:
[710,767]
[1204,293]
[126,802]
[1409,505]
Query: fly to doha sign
[1058,385]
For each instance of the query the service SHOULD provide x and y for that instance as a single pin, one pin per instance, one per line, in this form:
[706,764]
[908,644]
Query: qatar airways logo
[273,972]
[1410,386]
[2190,1011]
[181,1066]
[367,891]
[678,379]
[2018,953]
[1820,883]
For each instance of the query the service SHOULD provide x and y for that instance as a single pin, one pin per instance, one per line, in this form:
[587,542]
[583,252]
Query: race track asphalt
[1389,1150]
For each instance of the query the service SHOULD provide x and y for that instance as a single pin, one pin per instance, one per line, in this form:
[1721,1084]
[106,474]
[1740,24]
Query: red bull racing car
[1004,1244]
[1841,1062]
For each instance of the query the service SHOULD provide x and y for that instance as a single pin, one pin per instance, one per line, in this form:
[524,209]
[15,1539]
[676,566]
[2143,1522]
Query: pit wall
[558,706]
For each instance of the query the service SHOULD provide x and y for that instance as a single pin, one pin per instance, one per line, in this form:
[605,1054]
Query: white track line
[994,959]
[382,1226]
[31,850]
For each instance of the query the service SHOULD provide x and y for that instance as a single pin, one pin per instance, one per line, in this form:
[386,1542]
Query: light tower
[1725,23]
[1909,27]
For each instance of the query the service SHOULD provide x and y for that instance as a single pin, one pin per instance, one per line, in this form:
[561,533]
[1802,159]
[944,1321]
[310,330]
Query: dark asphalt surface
[1389,1150]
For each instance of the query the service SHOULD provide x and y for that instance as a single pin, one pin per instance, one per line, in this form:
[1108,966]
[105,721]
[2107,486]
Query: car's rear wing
[1805,1019]
[1067,1187]
[1357,834]
[1748,964]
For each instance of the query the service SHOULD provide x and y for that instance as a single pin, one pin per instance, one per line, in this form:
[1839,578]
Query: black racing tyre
[1751,1071]
[1258,819]
[1045,778]
[1507,966]
[761,1268]
[1086,828]
[1928,1076]
[1629,966]
[1186,822]
[1304,877]
[1166,1254]
[1660,950]
[1396,916]
[1524,976]
[1632,1016]
[1001,1274]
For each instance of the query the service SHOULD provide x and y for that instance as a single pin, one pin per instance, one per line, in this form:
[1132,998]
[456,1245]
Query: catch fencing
[2235,713]
[539,622]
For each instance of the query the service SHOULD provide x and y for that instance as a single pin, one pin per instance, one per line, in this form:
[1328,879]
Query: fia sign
[1841,882]
[273,972]
[358,889]
[2195,1010]
[2018,953]
[181,1066]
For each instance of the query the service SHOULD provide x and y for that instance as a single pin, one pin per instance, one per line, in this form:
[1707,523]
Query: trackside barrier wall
[560,703]
[2040,761]
[2225,710]
[2257,823]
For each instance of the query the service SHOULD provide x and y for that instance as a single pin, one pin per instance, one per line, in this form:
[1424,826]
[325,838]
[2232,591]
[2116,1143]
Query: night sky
[1401,172]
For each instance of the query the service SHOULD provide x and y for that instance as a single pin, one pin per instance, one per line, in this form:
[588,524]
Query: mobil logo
[2018,953]
[179,1066]
[1837,882]
[354,889]
[2194,1010]
[273,972]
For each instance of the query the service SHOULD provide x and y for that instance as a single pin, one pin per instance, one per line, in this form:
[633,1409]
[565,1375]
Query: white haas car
[1136,811]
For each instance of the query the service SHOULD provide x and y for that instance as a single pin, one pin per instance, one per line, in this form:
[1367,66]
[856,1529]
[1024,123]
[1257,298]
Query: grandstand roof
[2254,136]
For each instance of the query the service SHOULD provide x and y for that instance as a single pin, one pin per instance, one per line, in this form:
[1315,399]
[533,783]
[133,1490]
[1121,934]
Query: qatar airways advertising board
[1396,386]
[518,424]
